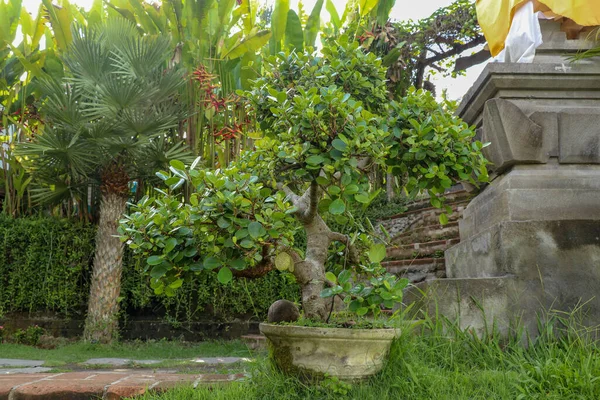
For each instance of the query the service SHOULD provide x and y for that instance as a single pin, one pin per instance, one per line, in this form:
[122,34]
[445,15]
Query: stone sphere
[283,311]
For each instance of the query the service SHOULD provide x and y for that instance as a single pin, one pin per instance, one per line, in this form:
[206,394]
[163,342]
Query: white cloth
[524,36]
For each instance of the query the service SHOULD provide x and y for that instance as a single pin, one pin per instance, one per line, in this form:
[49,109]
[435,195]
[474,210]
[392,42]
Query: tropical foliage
[106,126]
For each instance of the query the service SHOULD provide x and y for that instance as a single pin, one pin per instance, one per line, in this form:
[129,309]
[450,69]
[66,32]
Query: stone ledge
[99,384]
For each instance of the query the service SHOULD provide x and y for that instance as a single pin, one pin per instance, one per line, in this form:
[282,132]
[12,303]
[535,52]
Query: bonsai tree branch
[314,194]
[345,239]
[291,195]
[306,204]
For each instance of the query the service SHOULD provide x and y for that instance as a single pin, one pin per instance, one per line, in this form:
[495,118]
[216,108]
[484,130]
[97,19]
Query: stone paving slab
[98,384]
[220,360]
[118,362]
[13,362]
[32,370]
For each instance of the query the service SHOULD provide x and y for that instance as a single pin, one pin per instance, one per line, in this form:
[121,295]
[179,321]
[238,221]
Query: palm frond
[159,153]
[88,58]
[140,57]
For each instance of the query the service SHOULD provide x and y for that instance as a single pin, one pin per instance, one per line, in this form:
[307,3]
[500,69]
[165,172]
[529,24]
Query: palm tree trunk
[101,323]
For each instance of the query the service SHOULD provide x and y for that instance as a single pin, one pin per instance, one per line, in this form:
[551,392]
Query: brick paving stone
[87,385]
[7,382]
[117,392]
[58,390]
[98,377]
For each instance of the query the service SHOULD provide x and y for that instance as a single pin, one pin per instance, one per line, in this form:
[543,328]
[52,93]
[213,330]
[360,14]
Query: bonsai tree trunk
[310,271]
[101,323]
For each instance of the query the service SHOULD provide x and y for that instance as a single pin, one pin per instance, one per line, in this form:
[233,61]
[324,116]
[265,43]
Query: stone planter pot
[349,354]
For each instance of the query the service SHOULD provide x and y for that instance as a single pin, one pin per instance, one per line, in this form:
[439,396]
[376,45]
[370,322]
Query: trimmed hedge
[45,266]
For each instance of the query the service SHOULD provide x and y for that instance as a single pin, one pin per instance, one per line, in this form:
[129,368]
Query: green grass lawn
[74,353]
[443,364]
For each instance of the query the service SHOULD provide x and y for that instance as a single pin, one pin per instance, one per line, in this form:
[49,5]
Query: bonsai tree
[324,122]
[107,123]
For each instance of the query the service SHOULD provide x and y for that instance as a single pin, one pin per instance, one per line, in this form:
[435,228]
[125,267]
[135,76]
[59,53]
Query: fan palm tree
[107,123]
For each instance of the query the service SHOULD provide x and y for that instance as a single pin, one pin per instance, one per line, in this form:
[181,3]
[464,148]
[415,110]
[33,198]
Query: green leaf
[279,19]
[313,24]
[314,160]
[362,311]
[334,190]
[377,253]
[330,276]
[177,164]
[170,244]
[344,276]
[190,252]
[211,263]
[294,37]
[159,271]
[354,305]
[339,144]
[321,180]
[223,223]
[255,229]
[334,16]
[154,260]
[250,44]
[176,284]
[283,261]
[362,198]
[443,218]
[351,189]
[238,263]
[337,207]
[247,243]
[327,292]
[225,275]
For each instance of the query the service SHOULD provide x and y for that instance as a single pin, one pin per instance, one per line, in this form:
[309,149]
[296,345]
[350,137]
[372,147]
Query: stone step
[432,217]
[451,203]
[418,269]
[452,197]
[427,234]
[426,217]
[255,342]
[415,250]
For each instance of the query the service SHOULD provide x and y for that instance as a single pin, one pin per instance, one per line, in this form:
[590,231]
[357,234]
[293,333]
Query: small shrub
[30,336]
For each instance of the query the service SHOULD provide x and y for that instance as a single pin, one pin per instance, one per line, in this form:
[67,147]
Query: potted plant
[325,122]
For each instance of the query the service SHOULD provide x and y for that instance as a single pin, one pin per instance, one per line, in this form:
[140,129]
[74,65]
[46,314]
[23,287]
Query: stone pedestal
[530,242]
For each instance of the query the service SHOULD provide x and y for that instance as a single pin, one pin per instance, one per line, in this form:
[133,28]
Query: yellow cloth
[495,16]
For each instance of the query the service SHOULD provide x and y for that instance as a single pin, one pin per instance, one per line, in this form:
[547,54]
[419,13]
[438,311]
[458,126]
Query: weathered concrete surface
[560,259]
[514,138]
[556,48]
[478,304]
[25,370]
[537,225]
[533,88]
[547,192]
[350,354]
[14,362]
[118,362]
